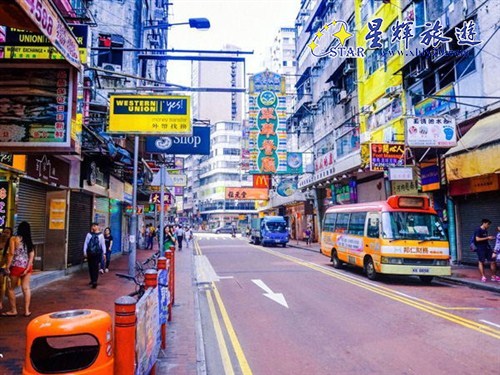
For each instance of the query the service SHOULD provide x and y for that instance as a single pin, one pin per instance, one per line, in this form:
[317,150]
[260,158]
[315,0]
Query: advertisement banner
[152,114]
[430,177]
[148,332]
[345,193]
[57,214]
[431,132]
[27,45]
[436,106]
[287,187]
[385,155]
[52,25]
[401,174]
[35,108]
[196,144]
[294,163]
[247,193]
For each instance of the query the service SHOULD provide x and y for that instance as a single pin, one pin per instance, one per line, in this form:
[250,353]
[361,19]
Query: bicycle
[142,267]
[140,286]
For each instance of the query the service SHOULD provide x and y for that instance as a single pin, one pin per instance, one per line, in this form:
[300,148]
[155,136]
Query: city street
[287,311]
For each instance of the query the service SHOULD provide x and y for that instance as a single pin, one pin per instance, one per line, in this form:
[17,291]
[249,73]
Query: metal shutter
[80,218]
[32,208]
[471,209]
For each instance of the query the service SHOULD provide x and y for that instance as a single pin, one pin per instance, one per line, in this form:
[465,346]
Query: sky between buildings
[248,24]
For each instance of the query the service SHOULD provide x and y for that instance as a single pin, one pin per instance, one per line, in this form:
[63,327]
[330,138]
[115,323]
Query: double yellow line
[420,304]
[223,348]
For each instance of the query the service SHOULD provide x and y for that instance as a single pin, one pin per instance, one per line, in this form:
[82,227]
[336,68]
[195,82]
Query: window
[347,143]
[231,151]
[329,222]
[341,223]
[373,229]
[114,56]
[466,64]
[446,75]
[357,223]
[412,226]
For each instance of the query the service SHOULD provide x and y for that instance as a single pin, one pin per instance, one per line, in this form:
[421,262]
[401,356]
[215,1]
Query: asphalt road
[287,311]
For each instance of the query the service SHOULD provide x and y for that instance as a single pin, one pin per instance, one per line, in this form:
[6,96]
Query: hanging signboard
[35,111]
[196,144]
[57,214]
[385,155]
[152,114]
[261,181]
[287,187]
[52,25]
[27,45]
[401,174]
[431,132]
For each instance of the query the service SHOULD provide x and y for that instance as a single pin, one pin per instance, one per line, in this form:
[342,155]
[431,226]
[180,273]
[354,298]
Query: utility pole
[133,219]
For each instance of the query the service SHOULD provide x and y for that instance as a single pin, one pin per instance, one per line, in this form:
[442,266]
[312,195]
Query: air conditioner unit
[392,91]
[349,68]
[112,68]
[342,96]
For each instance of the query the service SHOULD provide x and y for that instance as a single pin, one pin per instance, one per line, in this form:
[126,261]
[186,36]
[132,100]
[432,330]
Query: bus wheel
[426,279]
[370,269]
[335,260]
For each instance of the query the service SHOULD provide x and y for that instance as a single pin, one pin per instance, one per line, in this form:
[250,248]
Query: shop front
[11,168]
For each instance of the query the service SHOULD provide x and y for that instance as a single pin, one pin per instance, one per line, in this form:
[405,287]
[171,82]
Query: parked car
[223,229]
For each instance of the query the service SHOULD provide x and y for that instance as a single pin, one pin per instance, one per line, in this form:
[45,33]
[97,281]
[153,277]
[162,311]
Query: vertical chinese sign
[267,121]
[4,199]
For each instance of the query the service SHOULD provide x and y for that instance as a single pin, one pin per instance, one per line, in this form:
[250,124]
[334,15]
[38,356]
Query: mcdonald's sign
[262,181]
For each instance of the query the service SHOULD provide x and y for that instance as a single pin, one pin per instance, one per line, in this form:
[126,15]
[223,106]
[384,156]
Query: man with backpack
[93,249]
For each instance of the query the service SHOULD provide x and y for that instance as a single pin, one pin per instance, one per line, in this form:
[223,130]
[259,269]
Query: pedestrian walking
[4,247]
[484,251]
[20,256]
[188,235]
[307,236]
[106,259]
[179,233]
[496,249]
[93,249]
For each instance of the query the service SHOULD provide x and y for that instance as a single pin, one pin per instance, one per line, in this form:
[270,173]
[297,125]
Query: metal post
[133,219]
[162,209]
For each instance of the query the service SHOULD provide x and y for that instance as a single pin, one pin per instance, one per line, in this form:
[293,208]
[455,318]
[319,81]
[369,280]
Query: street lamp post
[195,23]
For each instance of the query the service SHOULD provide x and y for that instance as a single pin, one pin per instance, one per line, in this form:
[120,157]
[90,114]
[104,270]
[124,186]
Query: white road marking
[205,273]
[490,323]
[276,297]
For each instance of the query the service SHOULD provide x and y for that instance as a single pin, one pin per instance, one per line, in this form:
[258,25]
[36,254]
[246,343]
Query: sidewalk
[73,292]
[461,274]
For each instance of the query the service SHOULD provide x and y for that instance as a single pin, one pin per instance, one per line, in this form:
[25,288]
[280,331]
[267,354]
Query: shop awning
[477,152]
[18,14]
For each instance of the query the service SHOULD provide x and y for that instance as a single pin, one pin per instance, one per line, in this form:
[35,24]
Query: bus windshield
[276,227]
[412,226]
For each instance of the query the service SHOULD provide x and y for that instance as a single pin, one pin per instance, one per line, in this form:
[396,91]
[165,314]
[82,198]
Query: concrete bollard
[125,336]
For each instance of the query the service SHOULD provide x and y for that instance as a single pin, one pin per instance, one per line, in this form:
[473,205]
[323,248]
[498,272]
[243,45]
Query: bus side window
[342,222]
[373,230]
[329,222]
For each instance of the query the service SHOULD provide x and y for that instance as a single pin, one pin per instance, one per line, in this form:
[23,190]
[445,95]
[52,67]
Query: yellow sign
[57,214]
[39,52]
[152,114]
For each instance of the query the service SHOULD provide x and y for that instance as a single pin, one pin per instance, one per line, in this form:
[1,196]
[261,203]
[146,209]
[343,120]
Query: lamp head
[199,23]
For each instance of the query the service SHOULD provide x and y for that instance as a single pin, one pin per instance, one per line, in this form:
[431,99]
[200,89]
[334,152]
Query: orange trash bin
[70,342]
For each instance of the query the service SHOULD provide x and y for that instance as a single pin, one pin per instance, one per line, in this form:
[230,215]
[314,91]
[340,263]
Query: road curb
[473,284]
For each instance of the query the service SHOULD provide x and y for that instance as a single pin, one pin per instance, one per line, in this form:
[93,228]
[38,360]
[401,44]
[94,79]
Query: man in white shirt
[93,249]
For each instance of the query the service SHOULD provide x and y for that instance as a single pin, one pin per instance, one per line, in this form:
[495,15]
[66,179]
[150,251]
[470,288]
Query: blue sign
[196,144]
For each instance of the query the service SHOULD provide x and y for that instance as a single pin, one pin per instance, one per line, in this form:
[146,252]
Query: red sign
[155,198]
[323,162]
[262,181]
[385,155]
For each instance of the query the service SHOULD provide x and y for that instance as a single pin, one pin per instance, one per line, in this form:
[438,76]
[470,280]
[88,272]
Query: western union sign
[158,115]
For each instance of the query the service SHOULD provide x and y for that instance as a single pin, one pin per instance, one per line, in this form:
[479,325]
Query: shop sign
[247,193]
[385,155]
[324,162]
[152,114]
[24,44]
[430,178]
[436,106]
[262,181]
[48,169]
[405,187]
[431,132]
[57,214]
[155,198]
[47,19]
[345,193]
[178,191]
[35,108]
[4,203]
[127,192]
[484,183]
[196,144]
[401,174]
